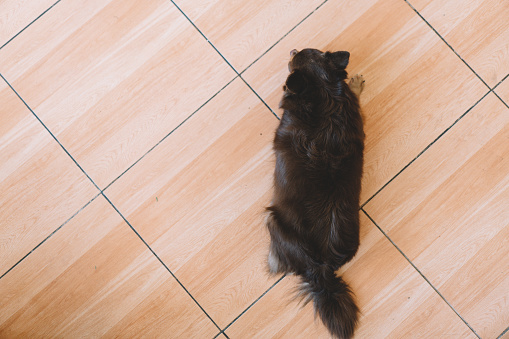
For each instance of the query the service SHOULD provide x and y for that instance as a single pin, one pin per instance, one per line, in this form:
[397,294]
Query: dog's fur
[313,220]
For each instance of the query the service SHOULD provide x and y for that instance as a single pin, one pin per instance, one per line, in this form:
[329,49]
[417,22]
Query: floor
[135,140]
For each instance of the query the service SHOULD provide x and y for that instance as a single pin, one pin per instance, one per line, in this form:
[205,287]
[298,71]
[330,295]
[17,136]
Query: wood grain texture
[448,214]
[110,98]
[395,301]
[243,30]
[415,86]
[198,200]
[95,278]
[40,185]
[15,15]
[478,30]
[114,79]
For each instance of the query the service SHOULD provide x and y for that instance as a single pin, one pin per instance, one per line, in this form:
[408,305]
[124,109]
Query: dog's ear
[340,59]
[297,82]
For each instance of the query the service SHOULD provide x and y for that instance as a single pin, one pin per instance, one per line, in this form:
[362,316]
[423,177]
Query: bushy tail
[333,301]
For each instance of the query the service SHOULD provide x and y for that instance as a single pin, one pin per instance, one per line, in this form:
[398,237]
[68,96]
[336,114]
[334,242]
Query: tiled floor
[135,148]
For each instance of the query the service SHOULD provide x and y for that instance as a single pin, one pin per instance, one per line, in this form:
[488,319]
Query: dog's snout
[293,52]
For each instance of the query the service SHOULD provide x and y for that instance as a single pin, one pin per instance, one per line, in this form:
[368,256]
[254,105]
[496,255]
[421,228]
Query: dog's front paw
[357,84]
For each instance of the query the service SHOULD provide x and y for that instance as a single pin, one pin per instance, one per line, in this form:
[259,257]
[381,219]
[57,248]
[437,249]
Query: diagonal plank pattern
[136,163]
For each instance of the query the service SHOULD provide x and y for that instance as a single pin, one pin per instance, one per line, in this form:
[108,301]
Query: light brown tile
[415,86]
[395,301]
[113,78]
[243,30]
[447,213]
[95,277]
[40,184]
[17,14]
[477,29]
[503,91]
[198,200]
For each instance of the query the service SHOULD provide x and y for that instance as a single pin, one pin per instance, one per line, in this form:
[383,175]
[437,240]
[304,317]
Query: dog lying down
[313,219]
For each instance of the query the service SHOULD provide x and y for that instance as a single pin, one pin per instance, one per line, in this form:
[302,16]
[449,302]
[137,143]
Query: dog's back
[314,217]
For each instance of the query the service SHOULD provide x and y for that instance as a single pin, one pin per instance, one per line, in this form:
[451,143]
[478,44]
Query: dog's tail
[333,300]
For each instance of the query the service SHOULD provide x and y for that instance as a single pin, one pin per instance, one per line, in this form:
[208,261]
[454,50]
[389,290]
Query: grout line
[102,193]
[452,49]
[284,36]
[425,149]
[49,236]
[171,132]
[501,81]
[504,332]
[29,24]
[227,62]
[52,135]
[259,97]
[422,275]
[252,304]
[154,253]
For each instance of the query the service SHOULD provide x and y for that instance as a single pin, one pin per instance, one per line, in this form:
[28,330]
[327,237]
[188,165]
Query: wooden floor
[136,161]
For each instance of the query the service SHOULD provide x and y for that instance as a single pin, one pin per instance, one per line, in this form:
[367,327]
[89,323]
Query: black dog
[314,217]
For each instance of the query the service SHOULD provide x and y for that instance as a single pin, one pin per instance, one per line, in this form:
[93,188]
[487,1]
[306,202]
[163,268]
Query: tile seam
[251,305]
[37,18]
[420,273]
[448,45]
[50,235]
[51,133]
[503,333]
[159,259]
[109,201]
[283,37]
[68,154]
[426,148]
[495,87]
[170,133]
[222,56]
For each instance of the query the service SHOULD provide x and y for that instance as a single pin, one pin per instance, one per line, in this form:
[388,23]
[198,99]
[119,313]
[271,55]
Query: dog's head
[311,68]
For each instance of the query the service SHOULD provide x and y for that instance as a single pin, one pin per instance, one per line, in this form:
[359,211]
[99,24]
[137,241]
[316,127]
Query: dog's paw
[357,84]
[273,263]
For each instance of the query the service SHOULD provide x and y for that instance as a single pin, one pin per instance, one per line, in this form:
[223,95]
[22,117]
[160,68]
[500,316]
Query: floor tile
[415,86]
[243,30]
[503,91]
[113,78]
[40,184]
[198,200]
[17,14]
[395,301]
[447,213]
[107,281]
[478,30]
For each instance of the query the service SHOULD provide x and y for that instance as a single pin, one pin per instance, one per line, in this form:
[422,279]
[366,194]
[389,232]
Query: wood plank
[477,29]
[395,301]
[96,278]
[198,200]
[15,15]
[40,185]
[415,86]
[243,30]
[447,213]
[113,78]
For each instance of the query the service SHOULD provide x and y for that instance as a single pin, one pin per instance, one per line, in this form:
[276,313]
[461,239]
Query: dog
[313,220]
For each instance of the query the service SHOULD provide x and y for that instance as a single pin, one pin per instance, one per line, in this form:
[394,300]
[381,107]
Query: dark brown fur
[314,216]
